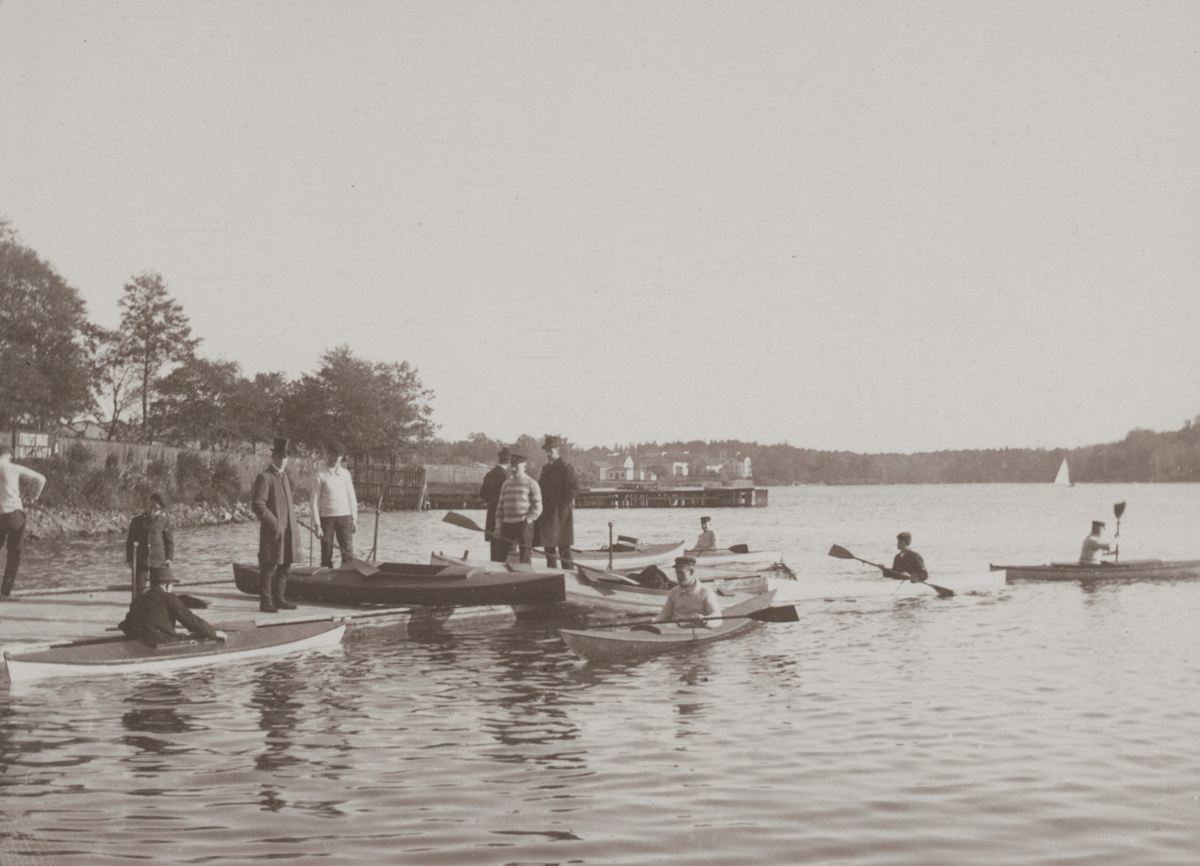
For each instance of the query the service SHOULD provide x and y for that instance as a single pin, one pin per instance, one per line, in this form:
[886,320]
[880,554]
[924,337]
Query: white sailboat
[1064,475]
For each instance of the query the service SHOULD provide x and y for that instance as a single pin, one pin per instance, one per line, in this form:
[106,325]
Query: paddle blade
[841,553]
[740,548]
[1119,509]
[786,613]
[463,521]
[942,591]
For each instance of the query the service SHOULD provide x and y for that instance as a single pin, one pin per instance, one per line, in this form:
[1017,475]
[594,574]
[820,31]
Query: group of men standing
[523,513]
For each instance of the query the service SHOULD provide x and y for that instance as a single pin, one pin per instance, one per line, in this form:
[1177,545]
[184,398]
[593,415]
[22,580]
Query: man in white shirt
[1093,545]
[12,512]
[334,506]
[708,536]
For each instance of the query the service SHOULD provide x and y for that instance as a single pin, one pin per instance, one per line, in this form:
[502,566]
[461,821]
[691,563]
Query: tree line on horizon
[145,382]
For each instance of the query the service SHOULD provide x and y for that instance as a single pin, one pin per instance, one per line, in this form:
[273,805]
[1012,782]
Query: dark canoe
[627,641]
[1133,569]
[404,584]
[120,655]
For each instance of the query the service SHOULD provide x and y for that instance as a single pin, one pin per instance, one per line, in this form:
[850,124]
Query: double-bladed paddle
[736,548]
[784,613]
[843,553]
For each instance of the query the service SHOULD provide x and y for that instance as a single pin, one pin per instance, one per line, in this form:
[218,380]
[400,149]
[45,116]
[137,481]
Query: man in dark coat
[907,563]
[556,525]
[153,614]
[150,543]
[490,494]
[278,531]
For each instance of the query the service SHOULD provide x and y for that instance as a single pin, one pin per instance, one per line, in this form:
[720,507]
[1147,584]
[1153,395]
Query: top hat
[282,446]
[505,455]
[552,442]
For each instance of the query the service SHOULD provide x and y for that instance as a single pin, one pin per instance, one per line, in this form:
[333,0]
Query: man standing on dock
[489,492]
[556,526]
[12,512]
[278,540]
[334,506]
[520,505]
[149,544]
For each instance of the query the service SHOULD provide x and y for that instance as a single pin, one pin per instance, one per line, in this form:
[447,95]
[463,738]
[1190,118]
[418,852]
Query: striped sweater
[520,499]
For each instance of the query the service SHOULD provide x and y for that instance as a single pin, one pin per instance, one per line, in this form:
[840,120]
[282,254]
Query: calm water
[1042,724]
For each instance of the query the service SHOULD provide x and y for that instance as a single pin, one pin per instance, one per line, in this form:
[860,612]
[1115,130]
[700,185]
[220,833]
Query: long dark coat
[556,526]
[151,541]
[489,492]
[271,500]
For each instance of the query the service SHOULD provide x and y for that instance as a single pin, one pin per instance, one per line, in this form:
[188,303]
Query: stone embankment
[83,523]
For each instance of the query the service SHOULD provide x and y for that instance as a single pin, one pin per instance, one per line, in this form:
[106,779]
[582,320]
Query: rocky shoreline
[85,523]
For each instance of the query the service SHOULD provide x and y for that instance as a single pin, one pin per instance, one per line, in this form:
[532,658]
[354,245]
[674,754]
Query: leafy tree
[257,407]
[115,380]
[378,409]
[154,331]
[46,341]
[195,403]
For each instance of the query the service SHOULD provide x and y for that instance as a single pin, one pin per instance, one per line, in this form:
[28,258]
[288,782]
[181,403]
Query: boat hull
[625,642]
[408,584]
[1134,569]
[126,655]
[728,557]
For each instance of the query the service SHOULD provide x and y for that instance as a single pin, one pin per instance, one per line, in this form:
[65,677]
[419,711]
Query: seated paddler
[1092,545]
[690,599]
[907,564]
[154,614]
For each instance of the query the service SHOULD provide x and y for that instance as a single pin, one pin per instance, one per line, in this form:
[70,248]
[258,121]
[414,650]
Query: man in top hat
[150,543]
[12,512]
[1092,545]
[556,526]
[334,506]
[278,535]
[691,599]
[153,614]
[489,492]
[707,539]
[907,564]
[519,507]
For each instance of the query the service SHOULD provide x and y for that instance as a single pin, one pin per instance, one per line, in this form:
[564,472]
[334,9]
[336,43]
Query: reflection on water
[1037,725]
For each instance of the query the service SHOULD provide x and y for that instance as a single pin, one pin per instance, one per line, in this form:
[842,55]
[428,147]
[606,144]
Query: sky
[861,226]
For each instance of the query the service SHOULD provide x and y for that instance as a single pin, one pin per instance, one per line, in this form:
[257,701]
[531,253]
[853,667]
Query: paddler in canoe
[153,614]
[1093,545]
[908,564]
[691,599]
[707,539]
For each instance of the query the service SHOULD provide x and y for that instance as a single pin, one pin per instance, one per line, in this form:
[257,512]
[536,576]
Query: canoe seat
[625,543]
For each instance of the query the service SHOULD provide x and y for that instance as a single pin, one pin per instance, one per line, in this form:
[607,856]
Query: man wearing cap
[334,506]
[907,564]
[707,539]
[489,492]
[150,543]
[556,526]
[1093,545]
[519,507]
[153,614]
[691,599]
[12,512]
[278,536]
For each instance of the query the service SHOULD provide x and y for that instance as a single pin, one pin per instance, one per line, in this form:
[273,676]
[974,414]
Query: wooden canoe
[403,584]
[1133,569]
[121,655]
[726,556]
[616,591]
[604,643]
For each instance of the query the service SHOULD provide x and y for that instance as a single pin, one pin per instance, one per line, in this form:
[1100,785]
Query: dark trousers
[341,527]
[554,554]
[273,576]
[500,545]
[12,533]
[518,533]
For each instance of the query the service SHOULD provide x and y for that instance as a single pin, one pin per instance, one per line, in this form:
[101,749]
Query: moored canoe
[1133,569]
[120,655]
[629,641]
[404,584]
[727,556]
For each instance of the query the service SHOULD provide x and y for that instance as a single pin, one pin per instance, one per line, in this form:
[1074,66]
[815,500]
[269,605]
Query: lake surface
[1040,724]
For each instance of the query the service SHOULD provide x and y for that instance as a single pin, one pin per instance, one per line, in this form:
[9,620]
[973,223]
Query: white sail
[1064,476]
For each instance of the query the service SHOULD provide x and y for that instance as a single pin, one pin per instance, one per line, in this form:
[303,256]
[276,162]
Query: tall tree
[373,408]
[46,341]
[115,382]
[156,332]
[195,403]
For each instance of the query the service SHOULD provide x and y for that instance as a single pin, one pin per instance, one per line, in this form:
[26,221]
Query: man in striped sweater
[519,507]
